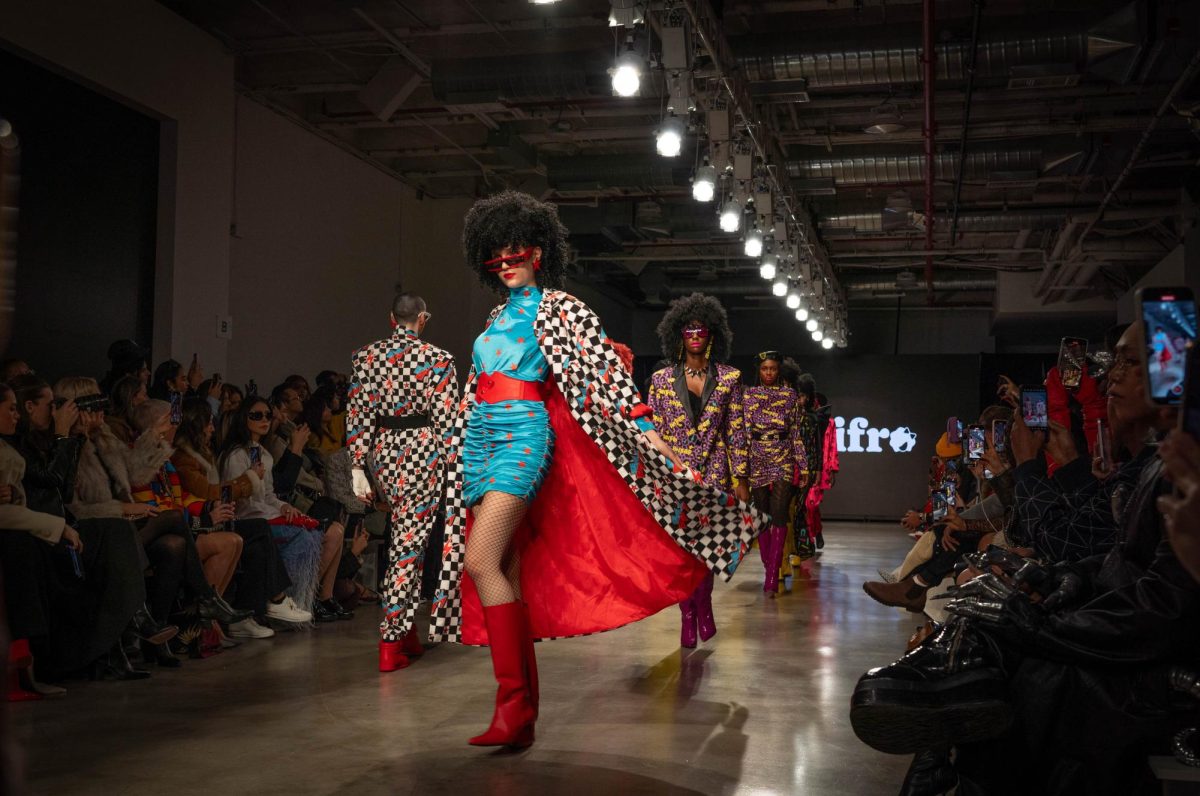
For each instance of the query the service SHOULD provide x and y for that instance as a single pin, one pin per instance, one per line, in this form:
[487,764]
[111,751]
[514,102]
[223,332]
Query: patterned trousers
[412,479]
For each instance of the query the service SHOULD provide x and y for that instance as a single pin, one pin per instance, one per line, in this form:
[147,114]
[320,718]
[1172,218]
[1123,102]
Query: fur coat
[108,469]
[15,515]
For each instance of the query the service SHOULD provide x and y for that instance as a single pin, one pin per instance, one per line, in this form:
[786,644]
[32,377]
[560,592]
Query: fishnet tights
[774,499]
[492,561]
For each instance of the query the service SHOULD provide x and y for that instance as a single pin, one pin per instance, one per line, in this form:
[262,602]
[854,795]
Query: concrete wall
[139,53]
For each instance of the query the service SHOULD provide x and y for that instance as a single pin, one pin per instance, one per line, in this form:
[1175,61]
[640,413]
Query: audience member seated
[107,596]
[300,385]
[11,368]
[262,585]
[309,553]
[318,416]
[126,358]
[127,394]
[170,378]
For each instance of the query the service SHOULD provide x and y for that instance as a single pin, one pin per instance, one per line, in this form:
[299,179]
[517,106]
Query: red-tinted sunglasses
[498,264]
[696,331]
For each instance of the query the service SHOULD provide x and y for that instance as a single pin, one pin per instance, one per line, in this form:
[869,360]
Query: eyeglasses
[425,316]
[700,332]
[763,356]
[498,264]
[257,416]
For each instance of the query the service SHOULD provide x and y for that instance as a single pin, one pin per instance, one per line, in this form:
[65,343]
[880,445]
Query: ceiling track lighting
[627,72]
[754,243]
[669,140]
[779,287]
[767,269]
[731,215]
[704,185]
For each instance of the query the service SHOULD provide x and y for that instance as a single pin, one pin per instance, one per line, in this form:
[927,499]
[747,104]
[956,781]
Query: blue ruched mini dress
[509,445]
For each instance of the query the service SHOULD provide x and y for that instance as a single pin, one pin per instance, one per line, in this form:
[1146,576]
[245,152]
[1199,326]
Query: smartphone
[1072,359]
[1189,412]
[939,507]
[999,435]
[1033,408]
[176,408]
[1103,445]
[951,493]
[976,442]
[1168,318]
[954,429]
[227,494]
[76,564]
[255,455]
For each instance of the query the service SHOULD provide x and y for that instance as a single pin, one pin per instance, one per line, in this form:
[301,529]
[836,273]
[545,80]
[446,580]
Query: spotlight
[731,215]
[754,243]
[627,74]
[812,325]
[793,300]
[543,2]
[670,137]
[802,315]
[827,343]
[817,336]
[704,186]
[779,288]
[767,269]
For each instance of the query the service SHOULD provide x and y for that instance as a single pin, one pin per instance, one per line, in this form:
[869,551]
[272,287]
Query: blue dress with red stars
[509,445]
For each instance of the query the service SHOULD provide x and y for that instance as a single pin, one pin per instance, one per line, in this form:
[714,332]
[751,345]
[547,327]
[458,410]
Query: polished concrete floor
[761,709]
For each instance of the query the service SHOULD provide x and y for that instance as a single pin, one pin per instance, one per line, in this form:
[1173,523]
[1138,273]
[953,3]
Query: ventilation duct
[898,285]
[1007,221]
[608,171]
[997,57]
[896,169]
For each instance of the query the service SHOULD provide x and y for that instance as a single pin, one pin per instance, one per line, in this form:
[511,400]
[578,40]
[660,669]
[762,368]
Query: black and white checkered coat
[711,525]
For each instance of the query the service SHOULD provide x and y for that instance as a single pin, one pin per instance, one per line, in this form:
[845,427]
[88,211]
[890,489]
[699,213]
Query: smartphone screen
[975,442]
[954,430]
[255,455]
[1033,408]
[999,434]
[1072,358]
[176,408]
[227,494]
[1103,445]
[939,507]
[1168,317]
[1189,413]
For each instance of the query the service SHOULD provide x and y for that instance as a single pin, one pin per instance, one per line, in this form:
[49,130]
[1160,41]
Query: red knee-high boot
[531,662]
[515,714]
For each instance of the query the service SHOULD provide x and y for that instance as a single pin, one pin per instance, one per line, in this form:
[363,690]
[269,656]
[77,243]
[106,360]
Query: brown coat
[199,476]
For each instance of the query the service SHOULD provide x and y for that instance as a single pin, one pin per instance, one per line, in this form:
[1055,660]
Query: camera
[95,402]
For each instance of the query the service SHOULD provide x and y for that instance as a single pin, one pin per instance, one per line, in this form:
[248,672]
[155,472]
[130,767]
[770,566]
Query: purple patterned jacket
[714,444]
[776,449]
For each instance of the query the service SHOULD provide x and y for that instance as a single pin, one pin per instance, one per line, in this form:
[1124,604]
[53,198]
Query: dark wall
[86,230]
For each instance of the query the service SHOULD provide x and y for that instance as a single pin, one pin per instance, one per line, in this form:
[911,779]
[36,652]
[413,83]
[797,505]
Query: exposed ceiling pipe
[929,131]
[865,67]
[872,285]
[999,221]
[966,120]
[892,169]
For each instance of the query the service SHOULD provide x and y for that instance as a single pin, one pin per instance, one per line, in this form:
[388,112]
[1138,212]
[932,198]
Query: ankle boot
[116,666]
[144,627]
[412,643]
[392,657]
[19,660]
[514,717]
[905,593]
[687,615]
[705,622]
[214,607]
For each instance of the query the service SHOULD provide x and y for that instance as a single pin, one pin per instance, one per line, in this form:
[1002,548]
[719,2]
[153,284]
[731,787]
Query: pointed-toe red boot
[515,714]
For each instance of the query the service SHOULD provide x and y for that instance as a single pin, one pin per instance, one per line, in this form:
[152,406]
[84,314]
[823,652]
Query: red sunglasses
[696,331]
[498,264]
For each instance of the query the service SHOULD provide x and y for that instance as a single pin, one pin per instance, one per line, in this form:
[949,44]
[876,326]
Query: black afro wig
[516,219]
[696,307]
[789,372]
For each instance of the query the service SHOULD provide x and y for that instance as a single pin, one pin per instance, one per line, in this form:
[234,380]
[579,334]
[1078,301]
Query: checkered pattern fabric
[710,524]
[399,376]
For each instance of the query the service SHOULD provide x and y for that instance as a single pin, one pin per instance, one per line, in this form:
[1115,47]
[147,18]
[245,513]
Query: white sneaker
[248,628]
[288,611]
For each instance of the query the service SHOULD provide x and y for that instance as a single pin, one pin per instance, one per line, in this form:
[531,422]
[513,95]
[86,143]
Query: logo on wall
[850,436]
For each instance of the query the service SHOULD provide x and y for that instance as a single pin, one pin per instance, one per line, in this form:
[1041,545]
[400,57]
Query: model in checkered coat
[697,406]
[565,512]
[399,418]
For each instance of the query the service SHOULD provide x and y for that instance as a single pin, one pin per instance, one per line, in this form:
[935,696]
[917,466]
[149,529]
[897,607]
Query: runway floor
[761,709]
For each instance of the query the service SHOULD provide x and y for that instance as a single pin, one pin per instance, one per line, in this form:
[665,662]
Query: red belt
[494,388]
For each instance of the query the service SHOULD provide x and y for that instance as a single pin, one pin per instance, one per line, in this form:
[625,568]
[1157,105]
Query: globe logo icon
[902,439]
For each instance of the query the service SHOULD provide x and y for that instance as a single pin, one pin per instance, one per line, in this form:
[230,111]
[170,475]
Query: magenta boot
[687,612]
[705,622]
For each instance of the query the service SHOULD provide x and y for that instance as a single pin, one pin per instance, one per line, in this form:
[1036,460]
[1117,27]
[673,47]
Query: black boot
[116,666]
[931,774]
[160,655]
[213,607]
[323,613]
[951,689]
[144,627]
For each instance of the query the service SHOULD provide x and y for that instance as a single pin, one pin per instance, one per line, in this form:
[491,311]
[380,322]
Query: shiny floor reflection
[761,709]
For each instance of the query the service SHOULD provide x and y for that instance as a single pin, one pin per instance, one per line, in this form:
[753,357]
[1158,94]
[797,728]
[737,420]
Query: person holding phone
[401,412]
[776,456]
[310,553]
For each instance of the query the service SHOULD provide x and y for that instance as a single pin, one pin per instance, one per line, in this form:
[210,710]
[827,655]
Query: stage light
[817,336]
[669,141]
[793,300]
[704,186]
[754,243]
[543,2]
[802,315]
[827,343]
[779,288]
[812,325]
[767,269]
[627,74]
[731,215]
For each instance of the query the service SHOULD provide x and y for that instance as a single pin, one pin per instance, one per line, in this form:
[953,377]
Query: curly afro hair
[696,307]
[516,219]
[790,372]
